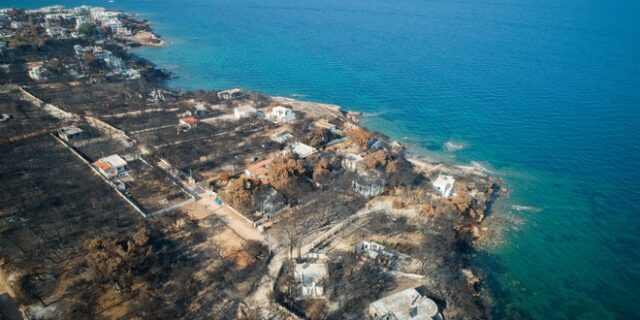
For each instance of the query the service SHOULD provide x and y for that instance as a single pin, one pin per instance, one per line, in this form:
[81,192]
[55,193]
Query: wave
[525,208]
[453,146]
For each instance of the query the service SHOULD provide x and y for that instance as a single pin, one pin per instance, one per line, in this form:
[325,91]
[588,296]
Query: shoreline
[466,206]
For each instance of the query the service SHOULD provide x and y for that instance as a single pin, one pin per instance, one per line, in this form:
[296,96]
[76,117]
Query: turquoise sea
[544,93]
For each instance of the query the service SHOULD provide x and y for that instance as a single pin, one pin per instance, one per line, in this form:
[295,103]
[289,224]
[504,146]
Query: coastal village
[125,199]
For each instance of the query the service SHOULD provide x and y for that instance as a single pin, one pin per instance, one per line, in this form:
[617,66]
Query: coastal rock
[470,278]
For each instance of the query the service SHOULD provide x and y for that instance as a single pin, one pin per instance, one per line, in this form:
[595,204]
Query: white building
[112,166]
[444,184]
[302,150]
[353,162]
[408,304]
[80,20]
[281,114]
[56,32]
[369,249]
[245,111]
[37,71]
[310,277]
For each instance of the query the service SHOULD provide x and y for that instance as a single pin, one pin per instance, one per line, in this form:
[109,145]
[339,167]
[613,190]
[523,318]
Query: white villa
[444,184]
[281,114]
[112,166]
[310,277]
[408,304]
[245,111]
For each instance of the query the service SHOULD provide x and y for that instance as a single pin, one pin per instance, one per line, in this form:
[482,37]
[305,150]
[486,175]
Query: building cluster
[59,22]
[116,65]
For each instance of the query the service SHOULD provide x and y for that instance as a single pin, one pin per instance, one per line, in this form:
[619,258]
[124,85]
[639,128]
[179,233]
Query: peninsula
[123,198]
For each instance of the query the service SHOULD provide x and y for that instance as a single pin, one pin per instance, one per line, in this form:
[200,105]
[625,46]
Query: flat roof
[114,160]
[303,150]
[407,304]
[70,130]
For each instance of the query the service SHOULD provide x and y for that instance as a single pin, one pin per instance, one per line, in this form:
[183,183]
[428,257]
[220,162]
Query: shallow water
[545,93]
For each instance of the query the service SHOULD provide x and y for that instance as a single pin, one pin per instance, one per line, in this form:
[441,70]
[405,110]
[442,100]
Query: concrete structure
[409,304]
[243,112]
[281,114]
[370,250]
[375,252]
[37,71]
[112,166]
[281,137]
[71,133]
[310,277]
[230,94]
[302,150]
[444,185]
[370,183]
[353,162]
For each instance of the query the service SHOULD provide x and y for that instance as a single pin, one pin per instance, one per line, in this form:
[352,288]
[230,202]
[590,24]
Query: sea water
[545,94]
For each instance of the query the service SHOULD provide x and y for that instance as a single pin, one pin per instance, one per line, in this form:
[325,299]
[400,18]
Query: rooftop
[444,184]
[114,160]
[302,150]
[408,304]
[70,130]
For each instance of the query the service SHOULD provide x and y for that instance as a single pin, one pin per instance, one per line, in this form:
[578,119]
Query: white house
[310,277]
[37,71]
[353,162]
[444,184]
[112,166]
[281,114]
[370,183]
[408,304]
[281,137]
[302,150]
[245,111]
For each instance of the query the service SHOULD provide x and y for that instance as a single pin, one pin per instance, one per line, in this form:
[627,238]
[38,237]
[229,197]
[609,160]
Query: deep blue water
[545,93]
